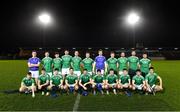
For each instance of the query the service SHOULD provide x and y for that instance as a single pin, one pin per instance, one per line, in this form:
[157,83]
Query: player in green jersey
[122,63]
[47,63]
[98,82]
[112,62]
[71,81]
[88,63]
[85,81]
[28,85]
[111,82]
[138,82]
[56,83]
[144,65]
[66,62]
[124,80]
[76,62]
[43,82]
[151,81]
[133,61]
[57,61]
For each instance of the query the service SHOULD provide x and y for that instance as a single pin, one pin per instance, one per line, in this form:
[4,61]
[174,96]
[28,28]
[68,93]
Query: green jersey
[57,63]
[133,62]
[47,63]
[138,79]
[124,78]
[145,65]
[112,63]
[66,61]
[85,78]
[111,78]
[122,61]
[87,62]
[43,78]
[71,78]
[28,82]
[151,78]
[56,79]
[76,61]
[98,78]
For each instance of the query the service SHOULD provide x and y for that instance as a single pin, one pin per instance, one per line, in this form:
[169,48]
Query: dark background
[89,23]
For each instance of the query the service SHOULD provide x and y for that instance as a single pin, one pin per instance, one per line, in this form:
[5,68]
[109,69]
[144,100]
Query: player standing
[57,61]
[33,64]
[112,62]
[100,63]
[66,63]
[76,62]
[47,63]
[144,65]
[88,63]
[43,82]
[122,63]
[151,80]
[28,85]
[133,61]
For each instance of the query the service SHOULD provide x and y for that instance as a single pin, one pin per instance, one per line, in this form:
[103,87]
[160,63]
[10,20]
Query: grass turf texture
[12,72]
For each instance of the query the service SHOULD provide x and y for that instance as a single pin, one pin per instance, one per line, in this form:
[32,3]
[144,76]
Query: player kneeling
[43,82]
[56,83]
[85,82]
[125,82]
[151,79]
[111,82]
[138,82]
[27,85]
[71,81]
[98,82]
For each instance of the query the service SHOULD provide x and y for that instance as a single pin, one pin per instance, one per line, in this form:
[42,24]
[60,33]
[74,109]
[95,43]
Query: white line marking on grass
[76,104]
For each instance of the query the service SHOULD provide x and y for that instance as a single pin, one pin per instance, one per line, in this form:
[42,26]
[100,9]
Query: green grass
[11,73]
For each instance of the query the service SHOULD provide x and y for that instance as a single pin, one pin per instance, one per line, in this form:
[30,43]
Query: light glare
[133,18]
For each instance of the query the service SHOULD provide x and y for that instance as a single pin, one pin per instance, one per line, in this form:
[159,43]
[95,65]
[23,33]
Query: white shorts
[102,71]
[125,85]
[120,72]
[78,73]
[50,74]
[139,87]
[35,74]
[65,71]
[71,85]
[112,85]
[90,73]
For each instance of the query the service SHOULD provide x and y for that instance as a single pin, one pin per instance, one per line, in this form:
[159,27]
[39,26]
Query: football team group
[69,74]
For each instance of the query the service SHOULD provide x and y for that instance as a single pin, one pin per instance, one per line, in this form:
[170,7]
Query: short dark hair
[100,50]
[124,69]
[111,69]
[56,53]
[151,68]
[138,70]
[85,69]
[144,52]
[56,69]
[71,68]
[29,73]
[33,50]
[98,70]
[43,69]
[112,52]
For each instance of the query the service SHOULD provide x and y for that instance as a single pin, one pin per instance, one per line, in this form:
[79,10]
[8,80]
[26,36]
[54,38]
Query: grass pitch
[12,72]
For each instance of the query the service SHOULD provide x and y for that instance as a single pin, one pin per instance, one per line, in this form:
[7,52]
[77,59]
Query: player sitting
[151,80]
[98,82]
[27,85]
[138,82]
[43,82]
[85,82]
[56,83]
[71,81]
[111,82]
[125,82]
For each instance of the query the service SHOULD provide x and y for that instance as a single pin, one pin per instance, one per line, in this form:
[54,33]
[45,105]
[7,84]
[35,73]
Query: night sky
[89,23]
